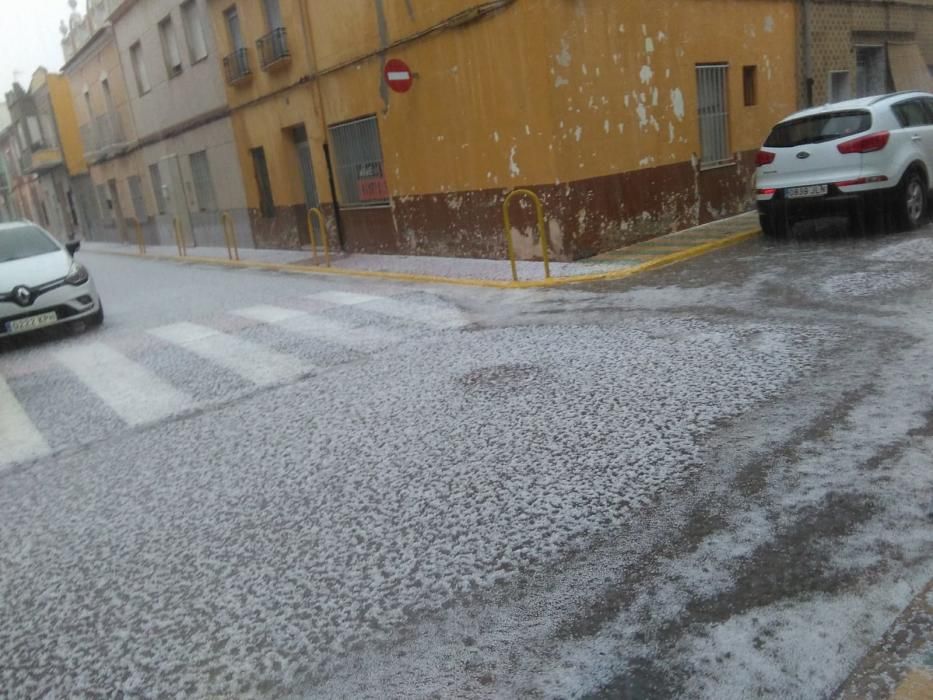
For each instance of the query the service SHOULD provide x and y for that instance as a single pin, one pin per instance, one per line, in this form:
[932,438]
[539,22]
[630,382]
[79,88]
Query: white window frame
[171,54]
[193,25]
[143,86]
[202,181]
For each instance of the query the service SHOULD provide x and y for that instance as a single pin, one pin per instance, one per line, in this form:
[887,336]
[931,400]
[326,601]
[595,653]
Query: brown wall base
[288,229]
[584,218]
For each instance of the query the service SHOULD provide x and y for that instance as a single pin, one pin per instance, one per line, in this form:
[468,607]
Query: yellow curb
[657,262]
[917,686]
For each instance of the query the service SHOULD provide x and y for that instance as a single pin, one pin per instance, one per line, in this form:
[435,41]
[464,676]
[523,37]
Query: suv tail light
[866,144]
[764,158]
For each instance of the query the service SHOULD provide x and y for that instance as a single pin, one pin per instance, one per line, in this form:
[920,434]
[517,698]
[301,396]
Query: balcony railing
[236,66]
[273,48]
[103,132]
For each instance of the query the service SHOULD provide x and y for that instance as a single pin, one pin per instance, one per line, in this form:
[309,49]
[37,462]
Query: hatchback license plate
[808,191]
[32,322]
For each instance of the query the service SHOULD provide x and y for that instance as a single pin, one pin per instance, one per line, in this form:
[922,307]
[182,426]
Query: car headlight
[77,274]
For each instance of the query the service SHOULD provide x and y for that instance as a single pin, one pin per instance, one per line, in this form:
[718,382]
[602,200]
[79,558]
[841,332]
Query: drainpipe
[807,52]
[311,61]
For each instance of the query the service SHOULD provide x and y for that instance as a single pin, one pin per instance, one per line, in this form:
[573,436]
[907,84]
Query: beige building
[178,103]
[854,48]
[151,105]
[108,133]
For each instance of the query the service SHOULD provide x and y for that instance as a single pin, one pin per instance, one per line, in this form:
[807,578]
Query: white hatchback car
[40,282]
[870,158]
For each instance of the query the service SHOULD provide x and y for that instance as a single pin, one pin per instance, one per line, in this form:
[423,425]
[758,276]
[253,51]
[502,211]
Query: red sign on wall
[373,188]
[398,75]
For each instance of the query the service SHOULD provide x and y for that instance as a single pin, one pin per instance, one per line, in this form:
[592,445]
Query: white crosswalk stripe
[133,392]
[253,362]
[396,308]
[19,438]
[314,326]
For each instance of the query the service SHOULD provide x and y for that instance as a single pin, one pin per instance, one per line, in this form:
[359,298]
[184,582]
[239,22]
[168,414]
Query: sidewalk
[900,667]
[619,263]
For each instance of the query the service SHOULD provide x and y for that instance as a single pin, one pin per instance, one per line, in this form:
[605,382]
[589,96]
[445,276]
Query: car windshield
[818,128]
[25,242]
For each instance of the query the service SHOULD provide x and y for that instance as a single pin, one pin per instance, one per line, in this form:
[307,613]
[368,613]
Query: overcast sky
[29,38]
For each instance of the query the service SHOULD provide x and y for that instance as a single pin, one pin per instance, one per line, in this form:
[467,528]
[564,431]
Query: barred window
[203,185]
[136,193]
[106,204]
[156,178]
[358,162]
[712,101]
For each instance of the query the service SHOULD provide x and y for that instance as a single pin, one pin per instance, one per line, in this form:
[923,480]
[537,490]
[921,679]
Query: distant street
[709,481]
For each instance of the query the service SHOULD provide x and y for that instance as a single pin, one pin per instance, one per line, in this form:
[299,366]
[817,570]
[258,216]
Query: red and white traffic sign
[398,75]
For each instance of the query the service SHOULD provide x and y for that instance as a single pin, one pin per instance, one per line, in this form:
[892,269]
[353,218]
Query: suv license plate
[809,191]
[32,322]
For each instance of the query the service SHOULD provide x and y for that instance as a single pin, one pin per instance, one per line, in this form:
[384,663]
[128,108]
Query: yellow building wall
[102,62]
[67,121]
[539,94]
[545,92]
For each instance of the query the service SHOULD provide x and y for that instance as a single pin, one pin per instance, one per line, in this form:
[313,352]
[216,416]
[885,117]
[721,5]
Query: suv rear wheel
[910,201]
[773,226]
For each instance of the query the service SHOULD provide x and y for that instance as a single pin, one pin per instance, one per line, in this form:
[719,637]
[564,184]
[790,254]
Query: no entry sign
[398,75]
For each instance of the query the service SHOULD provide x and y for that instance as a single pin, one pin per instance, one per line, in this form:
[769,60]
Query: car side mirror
[73,247]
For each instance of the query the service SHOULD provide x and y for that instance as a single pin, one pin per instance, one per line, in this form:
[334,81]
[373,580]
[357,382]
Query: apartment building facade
[48,154]
[854,48]
[183,128]
[154,121]
[108,133]
[628,119]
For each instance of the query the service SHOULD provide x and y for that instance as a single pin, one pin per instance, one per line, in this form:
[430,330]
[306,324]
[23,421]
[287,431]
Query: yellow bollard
[140,240]
[542,233]
[180,240]
[233,250]
[319,215]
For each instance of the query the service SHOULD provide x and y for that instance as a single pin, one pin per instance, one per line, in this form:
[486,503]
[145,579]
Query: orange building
[629,119]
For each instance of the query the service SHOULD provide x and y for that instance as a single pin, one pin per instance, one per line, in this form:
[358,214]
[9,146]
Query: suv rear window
[25,242]
[818,128]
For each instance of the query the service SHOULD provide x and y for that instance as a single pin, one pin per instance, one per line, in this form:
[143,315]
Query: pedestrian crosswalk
[19,438]
[120,383]
[254,363]
[127,386]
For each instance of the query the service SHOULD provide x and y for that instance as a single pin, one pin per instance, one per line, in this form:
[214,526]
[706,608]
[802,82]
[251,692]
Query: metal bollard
[140,239]
[233,250]
[542,233]
[319,215]
[180,240]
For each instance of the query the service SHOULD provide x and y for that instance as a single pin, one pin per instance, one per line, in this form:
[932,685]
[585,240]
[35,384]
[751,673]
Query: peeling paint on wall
[677,102]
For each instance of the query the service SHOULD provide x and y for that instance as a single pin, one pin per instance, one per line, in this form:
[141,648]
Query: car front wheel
[911,201]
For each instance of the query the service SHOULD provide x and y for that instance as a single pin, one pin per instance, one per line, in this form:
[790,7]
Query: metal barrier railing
[542,232]
[233,250]
[140,239]
[180,239]
[319,215]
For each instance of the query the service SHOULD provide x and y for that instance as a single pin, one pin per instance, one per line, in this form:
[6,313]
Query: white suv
[870,158]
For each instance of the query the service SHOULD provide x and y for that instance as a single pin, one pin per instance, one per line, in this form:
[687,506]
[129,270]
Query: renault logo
[22,296]
[803,155]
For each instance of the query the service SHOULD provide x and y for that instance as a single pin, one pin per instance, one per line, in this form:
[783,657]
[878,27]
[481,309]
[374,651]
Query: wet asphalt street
[710,481]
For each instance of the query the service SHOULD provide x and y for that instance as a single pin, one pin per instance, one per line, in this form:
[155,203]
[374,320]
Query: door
[176,202]
[273,14]
[233,28]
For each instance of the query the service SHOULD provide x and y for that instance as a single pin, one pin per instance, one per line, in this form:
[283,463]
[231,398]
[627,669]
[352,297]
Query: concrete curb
[661,260]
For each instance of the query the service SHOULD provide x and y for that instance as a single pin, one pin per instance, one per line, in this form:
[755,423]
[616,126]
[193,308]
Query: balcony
[273,49]
[236,67]
[105,131]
